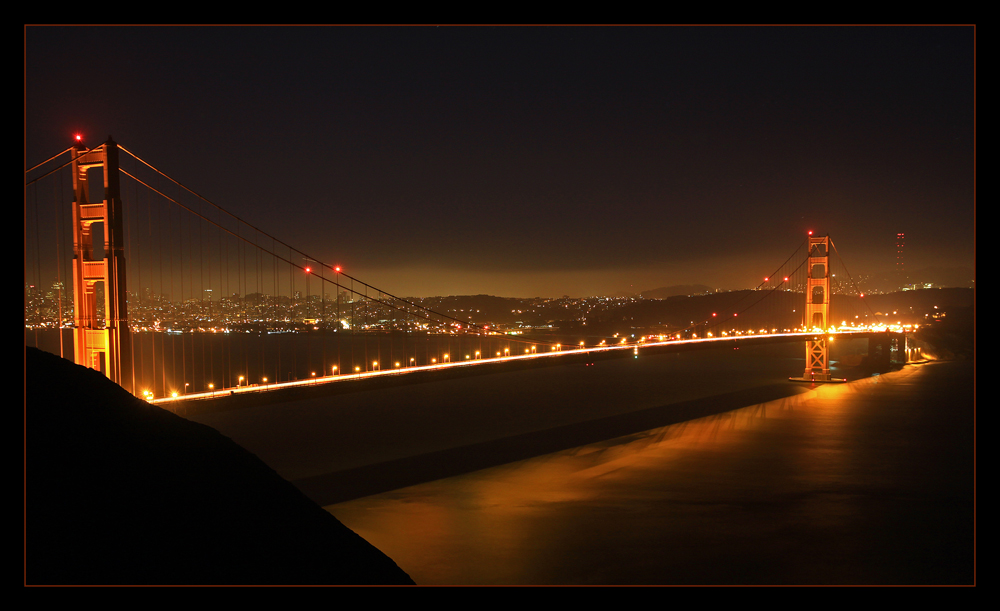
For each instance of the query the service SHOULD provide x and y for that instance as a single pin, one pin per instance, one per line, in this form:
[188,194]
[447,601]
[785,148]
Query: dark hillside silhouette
[118,491]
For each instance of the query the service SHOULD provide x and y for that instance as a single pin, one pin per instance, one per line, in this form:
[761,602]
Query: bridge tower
[817,312]
[101,339]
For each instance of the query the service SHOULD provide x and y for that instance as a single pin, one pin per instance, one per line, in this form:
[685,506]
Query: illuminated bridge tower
[817,313]
[101,341]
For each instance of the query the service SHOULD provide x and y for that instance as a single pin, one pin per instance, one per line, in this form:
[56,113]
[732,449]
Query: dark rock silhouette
[118,491]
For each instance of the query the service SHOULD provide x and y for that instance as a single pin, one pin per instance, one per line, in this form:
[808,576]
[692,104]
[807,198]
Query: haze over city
[541,161]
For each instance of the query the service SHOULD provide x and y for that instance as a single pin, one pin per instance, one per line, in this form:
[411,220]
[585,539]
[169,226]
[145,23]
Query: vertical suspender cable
[59,260]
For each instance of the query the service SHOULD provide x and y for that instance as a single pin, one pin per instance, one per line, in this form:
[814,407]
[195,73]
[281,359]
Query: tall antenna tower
[900,271]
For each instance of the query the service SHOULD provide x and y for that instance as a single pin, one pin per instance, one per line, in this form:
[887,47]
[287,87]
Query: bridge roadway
[221,398]
[342,441]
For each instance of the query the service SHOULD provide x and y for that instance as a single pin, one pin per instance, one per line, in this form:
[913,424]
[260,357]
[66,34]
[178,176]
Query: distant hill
[680,312]
[121,492]
[951,277]
[673,291]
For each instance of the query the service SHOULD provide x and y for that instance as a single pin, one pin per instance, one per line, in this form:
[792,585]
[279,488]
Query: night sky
[541,161]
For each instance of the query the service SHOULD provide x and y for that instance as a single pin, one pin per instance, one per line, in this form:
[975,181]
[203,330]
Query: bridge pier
[914,349]
[817,362]
[887,349]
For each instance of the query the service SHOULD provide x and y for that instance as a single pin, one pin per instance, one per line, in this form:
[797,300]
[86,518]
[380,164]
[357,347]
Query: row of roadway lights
[446,358]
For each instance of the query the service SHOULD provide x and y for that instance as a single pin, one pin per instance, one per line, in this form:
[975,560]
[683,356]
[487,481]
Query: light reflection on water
[579,516]
[791,491]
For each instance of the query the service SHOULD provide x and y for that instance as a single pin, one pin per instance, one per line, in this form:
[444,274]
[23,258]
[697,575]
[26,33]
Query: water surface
[863,483]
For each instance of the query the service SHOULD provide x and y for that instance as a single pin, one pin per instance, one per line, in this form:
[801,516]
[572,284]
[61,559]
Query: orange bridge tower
[817,312]
[101,338]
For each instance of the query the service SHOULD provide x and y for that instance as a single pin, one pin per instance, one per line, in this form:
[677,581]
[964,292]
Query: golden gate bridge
[174,297]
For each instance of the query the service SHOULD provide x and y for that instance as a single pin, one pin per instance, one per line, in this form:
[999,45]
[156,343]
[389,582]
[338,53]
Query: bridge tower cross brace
[817,313]
[100,342]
